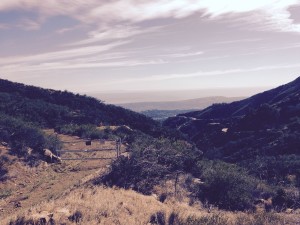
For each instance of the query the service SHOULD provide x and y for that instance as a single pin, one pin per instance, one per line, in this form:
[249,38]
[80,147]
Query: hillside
[198,103]
[264,125]
[51,109]
[279,97]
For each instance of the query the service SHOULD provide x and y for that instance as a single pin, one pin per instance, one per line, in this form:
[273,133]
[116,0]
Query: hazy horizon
[121,97]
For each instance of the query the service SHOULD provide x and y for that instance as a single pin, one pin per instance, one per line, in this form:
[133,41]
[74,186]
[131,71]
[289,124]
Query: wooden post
[56,147]
[117,151]
[175,185]
[119,147]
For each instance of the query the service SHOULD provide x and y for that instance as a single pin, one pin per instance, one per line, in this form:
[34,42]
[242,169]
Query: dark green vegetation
[25,110]
[161,115]
[267,124]
[51,109]
[260,134]
[151,161]
[241,152]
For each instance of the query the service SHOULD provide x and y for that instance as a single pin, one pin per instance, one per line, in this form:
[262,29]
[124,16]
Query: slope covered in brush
[267,124]
[50,109]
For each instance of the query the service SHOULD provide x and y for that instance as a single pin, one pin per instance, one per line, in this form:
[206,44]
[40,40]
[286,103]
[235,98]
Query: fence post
[119,146]
[117,151]
[56,147]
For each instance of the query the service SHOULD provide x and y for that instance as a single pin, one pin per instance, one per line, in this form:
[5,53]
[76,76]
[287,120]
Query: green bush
[284,199]
[20,134]
[52,142]
[226,186]
[150,162]
[274,169]
[83,131]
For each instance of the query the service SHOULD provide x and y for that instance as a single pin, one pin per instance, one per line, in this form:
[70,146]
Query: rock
[197,181]
[18,204]
[289,211]
[4,143]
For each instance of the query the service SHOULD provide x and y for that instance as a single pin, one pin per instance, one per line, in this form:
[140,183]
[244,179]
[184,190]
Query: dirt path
[28,186]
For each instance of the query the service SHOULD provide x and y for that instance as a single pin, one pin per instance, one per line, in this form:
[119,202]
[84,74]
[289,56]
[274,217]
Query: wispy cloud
[62,55]
[273,13]
[210,73]
[29,24]
[239,41]
[182,55]
[70,65]
[117,32]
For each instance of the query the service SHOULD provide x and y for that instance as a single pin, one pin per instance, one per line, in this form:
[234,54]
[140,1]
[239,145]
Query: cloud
[95,56]
[182,55]
[83,65]
[274,14]
[116,32]
[239,41]
[28,24]
[62,55]
[210,73]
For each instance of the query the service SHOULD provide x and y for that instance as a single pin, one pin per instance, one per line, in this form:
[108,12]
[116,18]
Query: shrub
[3,170]
[173,219]
[83,131]
[275,170]
[226,186]
[158,218]
[286,199]
[52,142]
[150,162]
[76,217]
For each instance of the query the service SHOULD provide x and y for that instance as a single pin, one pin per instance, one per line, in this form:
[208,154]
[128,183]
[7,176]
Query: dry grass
[101,205]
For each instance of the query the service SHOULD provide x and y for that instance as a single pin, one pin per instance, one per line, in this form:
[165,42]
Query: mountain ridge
[239,108]
[189,104]
[265,124]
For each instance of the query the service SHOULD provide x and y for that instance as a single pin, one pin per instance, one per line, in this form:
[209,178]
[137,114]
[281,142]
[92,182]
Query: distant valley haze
[123,97]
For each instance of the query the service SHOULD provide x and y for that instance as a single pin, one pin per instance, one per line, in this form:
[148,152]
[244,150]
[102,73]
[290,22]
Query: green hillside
[26,110]
[49,108]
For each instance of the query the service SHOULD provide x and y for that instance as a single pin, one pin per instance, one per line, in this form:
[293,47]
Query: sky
[150,46]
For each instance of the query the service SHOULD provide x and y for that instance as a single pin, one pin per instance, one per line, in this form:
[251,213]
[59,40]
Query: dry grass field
[100,205]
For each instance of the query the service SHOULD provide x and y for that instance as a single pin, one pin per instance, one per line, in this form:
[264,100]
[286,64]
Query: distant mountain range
[190,104]
[266,124]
